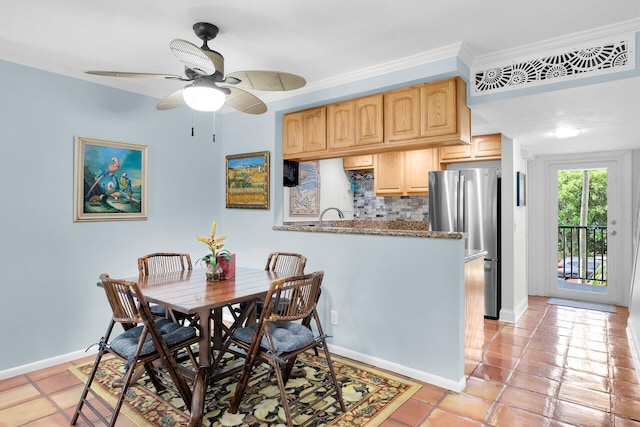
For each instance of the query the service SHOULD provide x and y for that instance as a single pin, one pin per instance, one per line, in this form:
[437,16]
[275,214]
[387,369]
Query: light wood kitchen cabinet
[341,125]
[358,162]
[355,123]
[404,173]
[402,114]
[388,169]
[369,120]
[304,132]
[473,313]
[434,111]
[425,116]
[417,165]
[483,147]
[438,108]
[292,134]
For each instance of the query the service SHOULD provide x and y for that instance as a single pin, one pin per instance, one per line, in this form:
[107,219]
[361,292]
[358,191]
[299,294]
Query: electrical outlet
[334,317]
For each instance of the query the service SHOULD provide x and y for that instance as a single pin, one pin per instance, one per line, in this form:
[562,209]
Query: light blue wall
[49,265]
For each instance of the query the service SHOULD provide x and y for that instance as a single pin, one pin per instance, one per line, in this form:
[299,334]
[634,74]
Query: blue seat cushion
[287,336]
[284,302]
[171,332]
[158,310]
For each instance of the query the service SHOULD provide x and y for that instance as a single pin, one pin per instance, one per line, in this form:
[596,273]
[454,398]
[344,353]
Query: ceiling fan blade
[245,102]
[267,80]
[172,100]
[134,75]
[193,57]
[217,59]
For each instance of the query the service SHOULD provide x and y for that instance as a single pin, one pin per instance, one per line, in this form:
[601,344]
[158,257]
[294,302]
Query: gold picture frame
[110,180]
[247,180]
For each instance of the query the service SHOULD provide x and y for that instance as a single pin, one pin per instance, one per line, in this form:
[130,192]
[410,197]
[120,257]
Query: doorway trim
[543,245]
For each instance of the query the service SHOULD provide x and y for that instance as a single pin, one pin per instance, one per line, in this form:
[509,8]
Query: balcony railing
[593,257]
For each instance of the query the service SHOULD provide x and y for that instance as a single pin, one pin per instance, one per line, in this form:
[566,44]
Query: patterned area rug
[369,394]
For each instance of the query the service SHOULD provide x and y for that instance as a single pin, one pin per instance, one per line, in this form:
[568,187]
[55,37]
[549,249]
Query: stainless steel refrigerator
[468,200]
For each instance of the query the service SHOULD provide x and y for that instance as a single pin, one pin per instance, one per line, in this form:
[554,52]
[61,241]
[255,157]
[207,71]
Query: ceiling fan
[209,89]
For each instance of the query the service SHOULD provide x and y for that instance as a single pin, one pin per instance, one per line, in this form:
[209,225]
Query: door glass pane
[582,230]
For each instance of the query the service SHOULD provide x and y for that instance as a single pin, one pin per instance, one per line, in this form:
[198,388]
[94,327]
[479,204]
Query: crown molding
[550,45]
[465,55]
[452,50]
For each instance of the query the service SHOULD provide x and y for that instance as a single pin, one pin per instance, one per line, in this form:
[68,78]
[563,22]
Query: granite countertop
[370,227]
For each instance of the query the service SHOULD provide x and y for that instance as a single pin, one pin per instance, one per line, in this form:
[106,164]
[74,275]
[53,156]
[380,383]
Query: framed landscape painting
[248,180]
[110,180]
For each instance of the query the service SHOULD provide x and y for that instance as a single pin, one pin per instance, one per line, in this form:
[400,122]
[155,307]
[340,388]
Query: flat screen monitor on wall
[290,173]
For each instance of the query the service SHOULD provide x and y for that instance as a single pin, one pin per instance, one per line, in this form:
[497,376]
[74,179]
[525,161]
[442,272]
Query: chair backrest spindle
[164,262]
[301,294]
[286,263]
[122,299]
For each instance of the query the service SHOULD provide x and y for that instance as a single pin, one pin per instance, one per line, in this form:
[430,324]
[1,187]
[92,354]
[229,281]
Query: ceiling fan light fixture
[203,98]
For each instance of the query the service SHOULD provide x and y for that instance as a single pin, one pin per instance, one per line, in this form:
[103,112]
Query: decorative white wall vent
[591,59]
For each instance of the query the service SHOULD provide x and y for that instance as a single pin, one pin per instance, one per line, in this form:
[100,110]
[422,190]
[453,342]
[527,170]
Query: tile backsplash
[367,206]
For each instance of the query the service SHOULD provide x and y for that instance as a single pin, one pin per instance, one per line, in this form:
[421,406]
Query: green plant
[215,245]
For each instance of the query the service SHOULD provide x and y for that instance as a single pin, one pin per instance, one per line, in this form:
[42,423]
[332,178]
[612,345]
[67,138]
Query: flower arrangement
[215,245]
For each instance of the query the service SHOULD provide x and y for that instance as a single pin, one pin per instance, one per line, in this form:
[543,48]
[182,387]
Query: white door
[566,277]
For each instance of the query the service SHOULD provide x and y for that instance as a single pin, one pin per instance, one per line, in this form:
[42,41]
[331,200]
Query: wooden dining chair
[165,262]
[246,313]
[286,263]
[279,337]
[283,263]
[146,342]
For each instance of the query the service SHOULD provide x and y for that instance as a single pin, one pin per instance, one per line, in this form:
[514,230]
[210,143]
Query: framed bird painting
[110,180]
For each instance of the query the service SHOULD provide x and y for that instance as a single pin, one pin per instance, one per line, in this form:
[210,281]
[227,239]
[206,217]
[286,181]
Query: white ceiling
[322,40]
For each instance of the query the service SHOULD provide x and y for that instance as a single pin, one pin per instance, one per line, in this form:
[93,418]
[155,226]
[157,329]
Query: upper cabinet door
[438,101]
[389,173]
[314,124]
[417,165]
[340,124]
[369,120]
[358,162]
[293,133]
[402,114]
[488,145]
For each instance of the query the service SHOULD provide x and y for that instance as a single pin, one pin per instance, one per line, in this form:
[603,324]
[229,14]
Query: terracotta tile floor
[556,367]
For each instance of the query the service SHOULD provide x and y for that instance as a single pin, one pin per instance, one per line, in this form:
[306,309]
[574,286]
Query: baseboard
[512,316]
[426,377]
[634,345]
[46,363]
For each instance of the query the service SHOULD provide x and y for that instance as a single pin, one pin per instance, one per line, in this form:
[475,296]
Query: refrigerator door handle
[462,186]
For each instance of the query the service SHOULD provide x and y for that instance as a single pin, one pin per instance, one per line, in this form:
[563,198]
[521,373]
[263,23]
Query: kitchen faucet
[340,214]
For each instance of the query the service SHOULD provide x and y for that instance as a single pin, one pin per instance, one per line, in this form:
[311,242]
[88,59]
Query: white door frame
[544,209]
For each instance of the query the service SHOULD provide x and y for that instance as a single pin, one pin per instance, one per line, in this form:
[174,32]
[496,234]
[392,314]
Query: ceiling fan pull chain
[191,122]
[214,127]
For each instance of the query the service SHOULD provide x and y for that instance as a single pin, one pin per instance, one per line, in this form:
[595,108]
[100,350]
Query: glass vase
[214,272]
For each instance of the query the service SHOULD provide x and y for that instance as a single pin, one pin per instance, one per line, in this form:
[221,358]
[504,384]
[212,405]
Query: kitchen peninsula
[396,297]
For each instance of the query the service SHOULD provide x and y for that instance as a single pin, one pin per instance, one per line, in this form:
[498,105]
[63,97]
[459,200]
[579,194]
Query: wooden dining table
[190,293]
